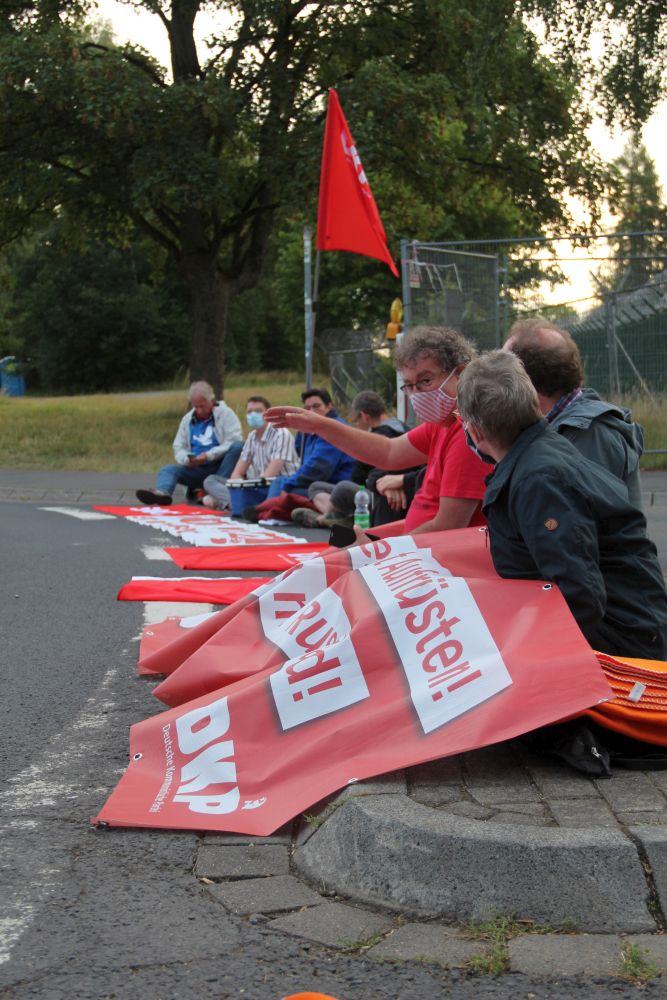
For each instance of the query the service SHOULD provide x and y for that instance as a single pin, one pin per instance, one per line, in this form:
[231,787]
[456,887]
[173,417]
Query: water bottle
[362,508]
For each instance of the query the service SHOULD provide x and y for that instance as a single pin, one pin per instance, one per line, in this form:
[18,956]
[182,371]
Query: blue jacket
[320,461]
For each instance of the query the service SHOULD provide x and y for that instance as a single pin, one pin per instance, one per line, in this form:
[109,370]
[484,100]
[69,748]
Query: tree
[465,127]
[636,202]
[627,74]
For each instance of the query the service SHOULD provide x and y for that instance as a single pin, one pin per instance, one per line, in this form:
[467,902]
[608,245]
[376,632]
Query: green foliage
[464,126]
[636,964]
[637,204]
[618,47]
[89,318]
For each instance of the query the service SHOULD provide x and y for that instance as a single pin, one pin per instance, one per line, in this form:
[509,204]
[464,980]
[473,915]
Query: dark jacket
[391,428]
[555,516]
[319,461]
[606,434]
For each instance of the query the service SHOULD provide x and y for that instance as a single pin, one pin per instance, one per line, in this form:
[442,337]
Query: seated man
[430,361]
[268,450]
[208,440]
[334,502]
[554,515]
[319,459]
[601,431]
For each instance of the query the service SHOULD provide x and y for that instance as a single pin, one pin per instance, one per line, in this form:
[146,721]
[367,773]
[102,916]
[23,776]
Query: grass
[636,965]
[123,432]
[496,934]
[133,432]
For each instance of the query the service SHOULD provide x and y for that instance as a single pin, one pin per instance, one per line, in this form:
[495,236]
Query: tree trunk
[210,298]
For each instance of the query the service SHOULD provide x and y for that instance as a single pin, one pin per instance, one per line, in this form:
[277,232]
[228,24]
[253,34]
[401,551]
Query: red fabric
[174,509]
[452,470]
[391,665]
[281,507]
[279,557]
[208,666]
[189,589]
[347,217]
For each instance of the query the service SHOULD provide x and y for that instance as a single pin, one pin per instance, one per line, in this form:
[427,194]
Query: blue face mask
[255,419]
[473,447]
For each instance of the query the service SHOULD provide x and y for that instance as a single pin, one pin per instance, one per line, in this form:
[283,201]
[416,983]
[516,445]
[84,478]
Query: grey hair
[495,394]
[370,402]
[203,389]
[445,346]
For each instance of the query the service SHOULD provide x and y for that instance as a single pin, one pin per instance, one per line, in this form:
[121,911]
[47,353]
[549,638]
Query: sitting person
[269,451]
[601,431]
[554,515]
[208,440]
[334,502]
[320,460]
[430,361]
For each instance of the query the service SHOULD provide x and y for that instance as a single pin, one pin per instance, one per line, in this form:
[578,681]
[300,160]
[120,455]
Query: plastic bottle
[362,508]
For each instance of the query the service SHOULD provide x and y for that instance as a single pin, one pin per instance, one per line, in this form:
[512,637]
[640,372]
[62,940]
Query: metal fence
[610,291]
[358,359]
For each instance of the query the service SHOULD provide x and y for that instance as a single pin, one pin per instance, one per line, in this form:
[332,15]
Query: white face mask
[434,405]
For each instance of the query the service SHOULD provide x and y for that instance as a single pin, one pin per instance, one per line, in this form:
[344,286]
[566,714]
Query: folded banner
[277,557]
[395,663]
[190,588]
[199,527]
[639,706]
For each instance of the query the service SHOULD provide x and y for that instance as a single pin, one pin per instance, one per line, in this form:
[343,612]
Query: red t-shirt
[452,470]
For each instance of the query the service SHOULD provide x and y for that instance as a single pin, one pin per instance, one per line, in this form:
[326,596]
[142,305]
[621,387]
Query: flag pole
[309,319]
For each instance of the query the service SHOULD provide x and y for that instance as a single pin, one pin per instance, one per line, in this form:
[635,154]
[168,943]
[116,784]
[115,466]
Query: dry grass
[133,432]
[124,432]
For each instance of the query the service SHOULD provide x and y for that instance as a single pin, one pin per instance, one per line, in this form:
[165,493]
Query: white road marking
[82,515]
[50,780]
[155,552]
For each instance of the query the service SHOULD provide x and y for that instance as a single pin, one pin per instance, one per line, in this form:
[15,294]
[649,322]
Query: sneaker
[306,517]
[250,514]
[153,498]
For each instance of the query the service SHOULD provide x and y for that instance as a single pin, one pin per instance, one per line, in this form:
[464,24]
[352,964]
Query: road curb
[388,849]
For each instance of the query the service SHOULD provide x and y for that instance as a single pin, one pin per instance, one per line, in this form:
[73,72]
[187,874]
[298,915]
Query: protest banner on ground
[392,663]
[200,527]
[190,588]
[247,557]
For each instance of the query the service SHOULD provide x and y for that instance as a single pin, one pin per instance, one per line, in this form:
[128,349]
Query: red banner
[189,588]
[199,527]
[392,664]
[277,557]
[347,217]
[160,634]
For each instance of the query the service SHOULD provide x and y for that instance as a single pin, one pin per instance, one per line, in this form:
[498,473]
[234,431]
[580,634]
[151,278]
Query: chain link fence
[358,359]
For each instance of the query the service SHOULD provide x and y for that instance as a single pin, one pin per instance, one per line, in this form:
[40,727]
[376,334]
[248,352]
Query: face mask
[480,454]
[254,419]
[434,405]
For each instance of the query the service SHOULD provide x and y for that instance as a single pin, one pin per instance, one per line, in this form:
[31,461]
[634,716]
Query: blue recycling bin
[12,383]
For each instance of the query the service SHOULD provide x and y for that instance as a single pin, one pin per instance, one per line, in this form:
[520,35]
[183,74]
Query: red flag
[347,217]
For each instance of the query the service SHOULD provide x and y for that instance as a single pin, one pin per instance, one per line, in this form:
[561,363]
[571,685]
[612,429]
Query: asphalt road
[88,913]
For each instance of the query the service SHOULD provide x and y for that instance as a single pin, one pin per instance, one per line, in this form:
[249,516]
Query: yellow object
[395,319]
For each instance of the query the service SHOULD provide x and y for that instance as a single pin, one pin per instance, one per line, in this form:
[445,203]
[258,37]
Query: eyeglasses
[422,385]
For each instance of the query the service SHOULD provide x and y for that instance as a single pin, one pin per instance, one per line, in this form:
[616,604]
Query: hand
[198,459]
[396,499]
[295,417]
[390,482]
[362,537]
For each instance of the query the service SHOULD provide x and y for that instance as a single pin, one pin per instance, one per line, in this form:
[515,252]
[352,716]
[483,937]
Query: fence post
[612,349]
[308,304]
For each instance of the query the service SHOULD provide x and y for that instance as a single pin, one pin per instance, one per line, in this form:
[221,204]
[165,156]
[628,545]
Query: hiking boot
[250,514]
[306,517]
[153,498]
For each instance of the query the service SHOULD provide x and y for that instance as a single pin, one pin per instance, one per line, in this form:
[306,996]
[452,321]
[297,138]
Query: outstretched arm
[374,449]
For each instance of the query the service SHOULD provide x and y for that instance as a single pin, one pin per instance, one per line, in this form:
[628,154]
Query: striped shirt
[275,442]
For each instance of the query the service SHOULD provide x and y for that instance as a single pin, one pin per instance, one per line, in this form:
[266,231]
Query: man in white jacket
[208,441]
